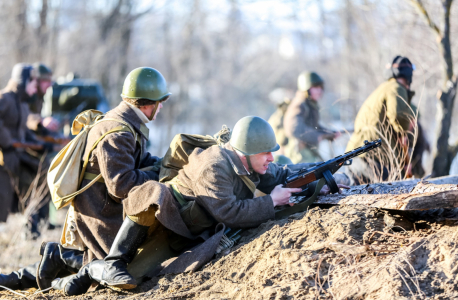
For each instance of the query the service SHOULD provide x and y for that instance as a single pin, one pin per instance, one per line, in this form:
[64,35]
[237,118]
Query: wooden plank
[422,196]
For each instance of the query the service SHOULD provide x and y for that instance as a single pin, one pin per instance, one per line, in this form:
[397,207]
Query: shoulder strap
[250,184]
[119,128]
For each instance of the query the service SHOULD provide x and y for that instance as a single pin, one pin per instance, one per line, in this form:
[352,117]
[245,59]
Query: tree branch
[418,4]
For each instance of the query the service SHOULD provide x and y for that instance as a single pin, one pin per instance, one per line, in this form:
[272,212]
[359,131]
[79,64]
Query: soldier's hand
[280,195]
[326,190]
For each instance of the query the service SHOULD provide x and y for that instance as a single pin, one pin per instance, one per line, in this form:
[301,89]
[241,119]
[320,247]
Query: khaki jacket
[99,210]
[385,111]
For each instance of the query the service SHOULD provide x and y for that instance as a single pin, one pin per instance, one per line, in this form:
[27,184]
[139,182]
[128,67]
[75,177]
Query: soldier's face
[31,87]
[43,85]
[316,92]
[260,162]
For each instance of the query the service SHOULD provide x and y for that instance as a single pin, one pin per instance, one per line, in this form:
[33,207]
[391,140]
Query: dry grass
[15,252]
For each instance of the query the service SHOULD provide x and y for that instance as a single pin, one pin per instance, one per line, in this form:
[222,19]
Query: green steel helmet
[253,135]
[145,83]
[308,79]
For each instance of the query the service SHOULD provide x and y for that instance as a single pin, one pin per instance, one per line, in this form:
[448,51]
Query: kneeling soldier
[217,182]
[119,156]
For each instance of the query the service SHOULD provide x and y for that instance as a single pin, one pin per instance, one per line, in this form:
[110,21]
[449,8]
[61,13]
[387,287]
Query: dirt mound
[345,252]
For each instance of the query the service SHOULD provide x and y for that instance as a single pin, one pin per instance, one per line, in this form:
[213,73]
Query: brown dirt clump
[344,252]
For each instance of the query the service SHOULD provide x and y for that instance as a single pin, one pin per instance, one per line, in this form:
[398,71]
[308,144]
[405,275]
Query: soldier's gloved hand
[280,195]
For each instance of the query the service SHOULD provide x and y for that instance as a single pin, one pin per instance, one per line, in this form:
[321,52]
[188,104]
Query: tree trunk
[446,99]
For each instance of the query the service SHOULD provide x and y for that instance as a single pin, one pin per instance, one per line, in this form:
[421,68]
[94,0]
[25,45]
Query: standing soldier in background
[301,121]
[13,117]
[18,146]
[385,114]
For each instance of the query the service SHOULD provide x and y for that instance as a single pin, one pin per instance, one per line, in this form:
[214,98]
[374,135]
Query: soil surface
[343,252]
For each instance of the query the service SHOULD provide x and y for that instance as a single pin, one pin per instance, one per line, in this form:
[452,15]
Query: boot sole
[125,286]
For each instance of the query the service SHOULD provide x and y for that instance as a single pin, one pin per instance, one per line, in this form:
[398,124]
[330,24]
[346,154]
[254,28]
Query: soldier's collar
[127,114]
[235,161]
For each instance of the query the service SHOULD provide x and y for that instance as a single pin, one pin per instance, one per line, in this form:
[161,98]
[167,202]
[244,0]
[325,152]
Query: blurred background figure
[20,166]
[302,121]
[281,98]
[386,114]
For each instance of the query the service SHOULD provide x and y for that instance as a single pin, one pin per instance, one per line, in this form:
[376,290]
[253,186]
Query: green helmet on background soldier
[43,71]
[308,79]
[252,135]
[145,83]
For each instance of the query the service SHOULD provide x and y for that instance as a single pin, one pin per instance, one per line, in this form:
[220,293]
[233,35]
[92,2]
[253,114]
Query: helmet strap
[248,161]
[156,105]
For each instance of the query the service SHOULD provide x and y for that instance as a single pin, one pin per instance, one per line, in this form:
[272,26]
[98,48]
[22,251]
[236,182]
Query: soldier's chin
[262,170]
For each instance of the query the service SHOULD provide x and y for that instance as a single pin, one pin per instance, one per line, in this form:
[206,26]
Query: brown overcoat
[99,210]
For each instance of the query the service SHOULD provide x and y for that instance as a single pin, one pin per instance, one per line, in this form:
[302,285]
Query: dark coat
[99,210]
[13,119]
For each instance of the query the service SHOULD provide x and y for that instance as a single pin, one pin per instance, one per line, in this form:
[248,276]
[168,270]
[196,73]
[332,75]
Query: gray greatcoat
[99,210]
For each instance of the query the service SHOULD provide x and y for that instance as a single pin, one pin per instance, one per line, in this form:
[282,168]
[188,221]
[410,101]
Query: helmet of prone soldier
[252,135]
[308,79]
[401,67]
[145,83]
[42,71]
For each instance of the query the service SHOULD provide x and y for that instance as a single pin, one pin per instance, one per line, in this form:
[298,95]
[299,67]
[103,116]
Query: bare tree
[443,153]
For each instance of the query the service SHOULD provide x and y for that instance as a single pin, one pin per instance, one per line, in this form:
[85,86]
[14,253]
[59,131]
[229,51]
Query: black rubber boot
[56,260]
[20,280]
[130,236]
[111,271]
[79,284]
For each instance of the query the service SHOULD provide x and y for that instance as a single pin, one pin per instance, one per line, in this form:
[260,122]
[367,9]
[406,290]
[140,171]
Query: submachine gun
[325,169]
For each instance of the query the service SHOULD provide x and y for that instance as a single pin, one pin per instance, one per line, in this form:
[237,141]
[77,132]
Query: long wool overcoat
[118,156]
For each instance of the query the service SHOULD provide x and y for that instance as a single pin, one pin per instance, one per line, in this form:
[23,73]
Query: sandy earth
[344,252]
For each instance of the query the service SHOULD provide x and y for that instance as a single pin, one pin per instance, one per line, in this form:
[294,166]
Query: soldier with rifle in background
[16,141]
[301,121]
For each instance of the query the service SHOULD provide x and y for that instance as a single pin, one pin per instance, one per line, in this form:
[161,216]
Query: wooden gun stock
[303,180]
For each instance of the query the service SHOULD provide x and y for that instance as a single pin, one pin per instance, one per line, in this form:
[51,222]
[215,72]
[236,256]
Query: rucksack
[65,173]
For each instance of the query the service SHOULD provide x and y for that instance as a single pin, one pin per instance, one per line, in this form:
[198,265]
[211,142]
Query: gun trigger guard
[330,181]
